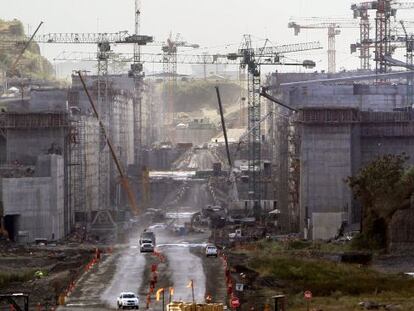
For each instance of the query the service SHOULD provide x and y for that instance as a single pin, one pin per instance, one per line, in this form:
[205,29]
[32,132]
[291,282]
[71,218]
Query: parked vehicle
[128,300]
[211,250]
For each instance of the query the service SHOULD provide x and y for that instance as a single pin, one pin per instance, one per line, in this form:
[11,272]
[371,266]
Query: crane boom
[333,26]
[124,179]
[194,59]
[87,38]
[13,67]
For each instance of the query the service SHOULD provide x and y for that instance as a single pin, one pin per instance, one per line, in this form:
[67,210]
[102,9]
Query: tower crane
[384,11]
[170,50]
[409,41]
[333,25]
[251,59]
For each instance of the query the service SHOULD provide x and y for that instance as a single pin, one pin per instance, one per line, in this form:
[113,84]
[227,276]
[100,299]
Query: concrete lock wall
[372,147]
[325,163]
[48,100]
[3,151]
[325,225]
[38,203]
[25,145]
[330,151]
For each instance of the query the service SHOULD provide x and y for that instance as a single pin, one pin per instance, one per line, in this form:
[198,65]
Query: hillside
[196,95]
[32,64]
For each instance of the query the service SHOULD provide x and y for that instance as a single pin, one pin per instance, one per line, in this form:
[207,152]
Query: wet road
[124,269]
[99,287]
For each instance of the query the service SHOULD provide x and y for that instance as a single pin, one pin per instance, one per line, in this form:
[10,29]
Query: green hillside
[195,95]
[32,64]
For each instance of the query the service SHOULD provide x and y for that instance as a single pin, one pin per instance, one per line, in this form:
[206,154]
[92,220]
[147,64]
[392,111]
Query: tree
[383,187]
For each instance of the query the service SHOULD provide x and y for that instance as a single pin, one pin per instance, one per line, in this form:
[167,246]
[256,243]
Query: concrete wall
[38,202]
[363,97]
[325,225]
[26,145]
[48,100]
[325,162]
[373,147]
[331,152]
[3,152]
[41,100]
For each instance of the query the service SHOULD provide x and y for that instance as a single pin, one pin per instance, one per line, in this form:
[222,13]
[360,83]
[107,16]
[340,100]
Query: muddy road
[126,269]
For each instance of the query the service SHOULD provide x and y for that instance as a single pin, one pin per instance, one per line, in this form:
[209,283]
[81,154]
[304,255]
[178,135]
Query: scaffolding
[83,168]
[76,167]
[33,120]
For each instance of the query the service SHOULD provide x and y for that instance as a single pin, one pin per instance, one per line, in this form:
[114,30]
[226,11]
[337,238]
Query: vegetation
[383,187]
[6,278]
[325,278]
[294,267]
[32,64]
[193,96]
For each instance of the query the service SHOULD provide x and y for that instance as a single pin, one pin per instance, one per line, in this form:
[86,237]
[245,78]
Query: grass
[293,245]
[324,277]
[335,286]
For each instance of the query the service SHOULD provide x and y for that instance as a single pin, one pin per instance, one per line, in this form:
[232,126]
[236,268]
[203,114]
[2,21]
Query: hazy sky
[212,23]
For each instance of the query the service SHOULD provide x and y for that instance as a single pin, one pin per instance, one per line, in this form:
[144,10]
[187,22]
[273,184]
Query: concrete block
[325,226]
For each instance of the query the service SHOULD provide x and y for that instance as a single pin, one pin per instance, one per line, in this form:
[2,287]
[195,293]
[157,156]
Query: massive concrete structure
[339,129]
[81,183]
[34,206]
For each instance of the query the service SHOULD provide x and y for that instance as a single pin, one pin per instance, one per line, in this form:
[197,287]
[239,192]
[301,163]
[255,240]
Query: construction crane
[333,25]
[248,58]
[170,49]
[409,41]
[137,73]
[385,10]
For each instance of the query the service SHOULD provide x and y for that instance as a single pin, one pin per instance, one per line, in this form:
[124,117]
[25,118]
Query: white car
[128,300]
[211,250]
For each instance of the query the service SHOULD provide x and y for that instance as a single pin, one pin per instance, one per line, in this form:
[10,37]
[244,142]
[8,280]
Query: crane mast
[384,11]
[170,50]
[409,42]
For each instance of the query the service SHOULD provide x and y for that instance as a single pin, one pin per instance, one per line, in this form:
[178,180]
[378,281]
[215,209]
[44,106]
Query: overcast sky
[212,23]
